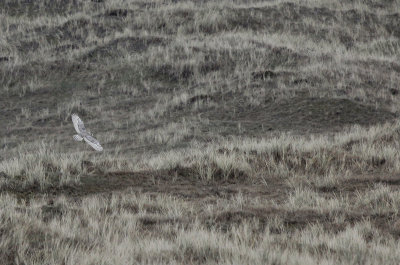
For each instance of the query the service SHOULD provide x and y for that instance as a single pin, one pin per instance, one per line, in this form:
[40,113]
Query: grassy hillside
[234,132]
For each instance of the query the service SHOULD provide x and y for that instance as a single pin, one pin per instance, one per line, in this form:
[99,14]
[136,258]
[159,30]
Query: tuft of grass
[44,167]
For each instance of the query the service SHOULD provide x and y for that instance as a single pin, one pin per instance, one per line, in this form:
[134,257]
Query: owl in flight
[83,134]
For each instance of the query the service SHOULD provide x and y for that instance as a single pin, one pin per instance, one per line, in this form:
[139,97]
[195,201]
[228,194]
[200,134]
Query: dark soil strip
[180,182]
[184,183]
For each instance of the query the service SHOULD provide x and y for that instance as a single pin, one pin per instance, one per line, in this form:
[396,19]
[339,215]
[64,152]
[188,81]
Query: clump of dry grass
[357,150]
[44,167]
[125,228]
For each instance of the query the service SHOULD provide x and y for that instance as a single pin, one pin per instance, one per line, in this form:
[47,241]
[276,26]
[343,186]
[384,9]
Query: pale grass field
[130,227]
[106,231]
[283,156]
[234,132]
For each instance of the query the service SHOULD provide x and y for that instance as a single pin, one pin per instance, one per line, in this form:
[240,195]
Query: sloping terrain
[234,132]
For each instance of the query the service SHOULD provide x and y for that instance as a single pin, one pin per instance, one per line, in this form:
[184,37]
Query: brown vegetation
[234,132]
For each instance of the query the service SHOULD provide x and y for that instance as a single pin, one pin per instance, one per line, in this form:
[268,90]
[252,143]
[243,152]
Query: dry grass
[235,132]
[131,228]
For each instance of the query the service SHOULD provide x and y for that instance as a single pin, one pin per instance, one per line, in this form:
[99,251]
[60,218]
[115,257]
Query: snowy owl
[83,134]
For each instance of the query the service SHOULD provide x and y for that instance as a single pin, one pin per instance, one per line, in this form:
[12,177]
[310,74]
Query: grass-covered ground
[234,132]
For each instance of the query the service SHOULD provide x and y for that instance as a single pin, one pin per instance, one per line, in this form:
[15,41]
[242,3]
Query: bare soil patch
[298,114]
[360,183]
[180,182]
[183,183]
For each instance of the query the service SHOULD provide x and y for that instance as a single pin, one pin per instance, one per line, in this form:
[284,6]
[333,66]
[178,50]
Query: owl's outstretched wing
[93,142]
[78,124]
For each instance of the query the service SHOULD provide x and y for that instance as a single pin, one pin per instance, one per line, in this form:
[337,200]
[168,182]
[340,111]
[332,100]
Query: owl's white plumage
[83,134]
[77,137]
[78,124]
